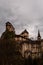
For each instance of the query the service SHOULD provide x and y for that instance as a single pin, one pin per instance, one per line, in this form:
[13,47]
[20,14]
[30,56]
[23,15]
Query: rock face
[9,32]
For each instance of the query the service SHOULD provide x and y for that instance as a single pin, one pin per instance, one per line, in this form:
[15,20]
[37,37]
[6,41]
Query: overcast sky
[23,14]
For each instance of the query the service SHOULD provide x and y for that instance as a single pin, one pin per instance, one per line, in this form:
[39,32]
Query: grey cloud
[22,14]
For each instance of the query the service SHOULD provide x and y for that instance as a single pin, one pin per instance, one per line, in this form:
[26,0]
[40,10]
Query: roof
[28,40]
[25,31]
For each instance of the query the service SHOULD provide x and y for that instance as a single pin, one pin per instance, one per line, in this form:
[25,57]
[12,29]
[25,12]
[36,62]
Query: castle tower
[9,32]
[9,27]
[39,36]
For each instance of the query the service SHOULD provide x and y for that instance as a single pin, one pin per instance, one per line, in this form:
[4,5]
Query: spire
[39,36]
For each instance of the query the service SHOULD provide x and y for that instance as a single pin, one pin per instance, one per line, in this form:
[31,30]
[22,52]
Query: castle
[30,47]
